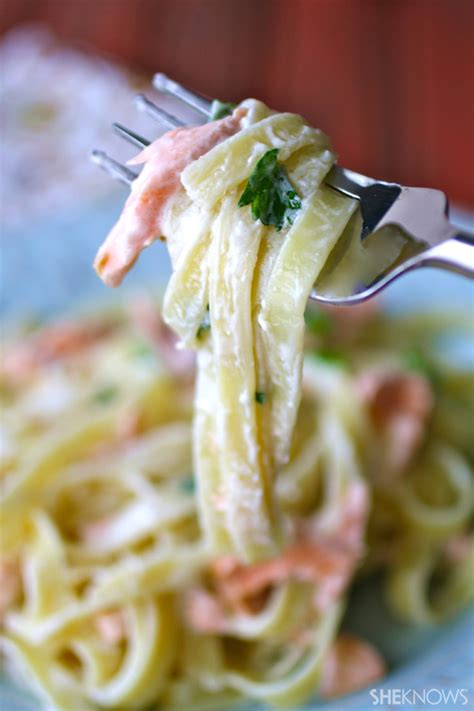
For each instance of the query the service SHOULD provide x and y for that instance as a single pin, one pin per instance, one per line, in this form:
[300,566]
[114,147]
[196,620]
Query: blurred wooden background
[391,81]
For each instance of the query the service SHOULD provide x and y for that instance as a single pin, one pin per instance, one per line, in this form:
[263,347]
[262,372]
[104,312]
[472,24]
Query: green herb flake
[202,330]
[106,394]
[260,397]
[414,359]
[317,321]
[142,351]
[188,485]
[331,357]
[220,109]
[270,193]
[205,326]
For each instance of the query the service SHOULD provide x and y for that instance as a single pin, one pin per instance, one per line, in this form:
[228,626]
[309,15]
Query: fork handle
[455,254]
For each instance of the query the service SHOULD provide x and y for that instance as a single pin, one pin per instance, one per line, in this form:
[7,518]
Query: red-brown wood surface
[390,80]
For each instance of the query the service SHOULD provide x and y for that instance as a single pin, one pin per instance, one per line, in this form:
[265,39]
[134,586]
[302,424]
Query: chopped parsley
[317,321]
[415,359]
[105,394]
[188,485]
[270,193]
[260,397]
[331,356]
[141,351]
[203,328]
[205,325]
[220,109]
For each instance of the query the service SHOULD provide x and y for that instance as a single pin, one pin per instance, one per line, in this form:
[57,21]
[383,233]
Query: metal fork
[422,213]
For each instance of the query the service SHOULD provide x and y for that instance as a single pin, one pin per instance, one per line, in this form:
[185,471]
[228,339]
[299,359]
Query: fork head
[164,84]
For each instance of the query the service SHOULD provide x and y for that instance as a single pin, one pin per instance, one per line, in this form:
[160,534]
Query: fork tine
[169,86]
[144,104]
[113,167]
[131,136]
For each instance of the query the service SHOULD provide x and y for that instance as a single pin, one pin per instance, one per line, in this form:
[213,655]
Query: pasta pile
[103,561]
[162,553]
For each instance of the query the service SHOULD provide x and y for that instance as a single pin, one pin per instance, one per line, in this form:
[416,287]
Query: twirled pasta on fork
[238,294]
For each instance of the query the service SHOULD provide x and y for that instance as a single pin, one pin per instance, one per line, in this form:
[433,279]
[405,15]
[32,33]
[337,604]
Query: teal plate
[45,269]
